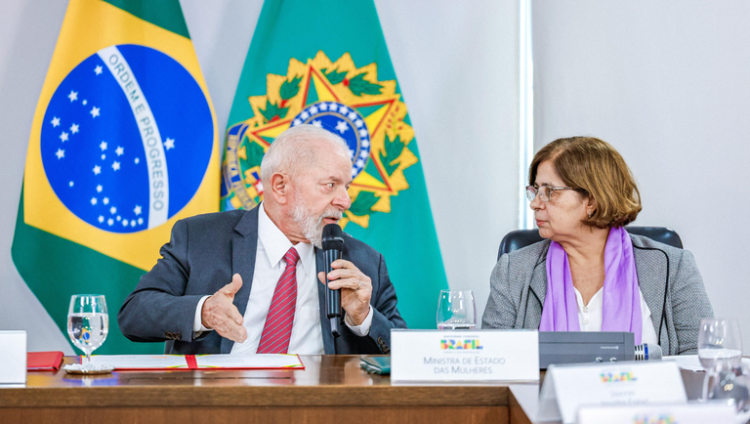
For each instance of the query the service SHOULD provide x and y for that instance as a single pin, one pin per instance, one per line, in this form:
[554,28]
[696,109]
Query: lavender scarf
[621,308]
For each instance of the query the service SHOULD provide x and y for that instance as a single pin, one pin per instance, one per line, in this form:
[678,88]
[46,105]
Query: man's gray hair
[292,150]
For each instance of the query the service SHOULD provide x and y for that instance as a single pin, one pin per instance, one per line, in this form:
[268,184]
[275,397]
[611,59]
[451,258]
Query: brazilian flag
[123,144]
[326,63]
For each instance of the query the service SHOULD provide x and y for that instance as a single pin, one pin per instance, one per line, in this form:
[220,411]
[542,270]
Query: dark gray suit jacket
[204,253]
[668,277]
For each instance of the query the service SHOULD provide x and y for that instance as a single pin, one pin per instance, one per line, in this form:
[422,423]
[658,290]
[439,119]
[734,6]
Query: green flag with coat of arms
[326,63]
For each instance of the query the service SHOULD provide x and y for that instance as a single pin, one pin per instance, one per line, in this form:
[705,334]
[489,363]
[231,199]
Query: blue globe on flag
[127,138]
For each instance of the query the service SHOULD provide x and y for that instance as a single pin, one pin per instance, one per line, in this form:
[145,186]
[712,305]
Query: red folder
[43,361]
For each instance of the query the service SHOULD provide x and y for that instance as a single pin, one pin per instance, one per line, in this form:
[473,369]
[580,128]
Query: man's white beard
[311,225]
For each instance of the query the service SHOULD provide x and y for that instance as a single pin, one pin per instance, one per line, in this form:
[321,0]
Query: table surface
[326,381]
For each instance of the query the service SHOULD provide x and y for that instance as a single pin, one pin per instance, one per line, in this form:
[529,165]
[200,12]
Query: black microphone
[647,352]
[333,247]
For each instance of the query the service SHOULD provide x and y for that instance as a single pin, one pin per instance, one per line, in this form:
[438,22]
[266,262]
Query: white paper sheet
[691,362]
[159,362]
[124,362]
[249,361]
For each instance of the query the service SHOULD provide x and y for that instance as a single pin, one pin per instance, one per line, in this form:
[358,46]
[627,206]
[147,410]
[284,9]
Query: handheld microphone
[647,352]
[333,247]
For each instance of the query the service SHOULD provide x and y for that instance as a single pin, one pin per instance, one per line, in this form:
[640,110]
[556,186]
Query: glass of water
[88,322]
[719,342]
[731,384]
[456,310]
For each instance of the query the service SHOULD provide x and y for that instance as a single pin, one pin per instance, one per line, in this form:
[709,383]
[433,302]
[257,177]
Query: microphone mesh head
[333,237]
[654,352]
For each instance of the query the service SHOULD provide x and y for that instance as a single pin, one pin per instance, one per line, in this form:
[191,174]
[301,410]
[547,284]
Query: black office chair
[515,240]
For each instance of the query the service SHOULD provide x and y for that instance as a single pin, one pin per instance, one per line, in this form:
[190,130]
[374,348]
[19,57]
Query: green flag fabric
[326,63]
[123,144]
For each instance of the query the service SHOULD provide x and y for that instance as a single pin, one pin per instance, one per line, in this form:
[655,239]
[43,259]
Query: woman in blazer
[590,274]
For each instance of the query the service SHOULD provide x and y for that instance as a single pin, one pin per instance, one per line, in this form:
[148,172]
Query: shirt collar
[277,244]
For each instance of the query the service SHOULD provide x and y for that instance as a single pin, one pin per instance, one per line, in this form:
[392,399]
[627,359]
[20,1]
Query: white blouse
[590,316]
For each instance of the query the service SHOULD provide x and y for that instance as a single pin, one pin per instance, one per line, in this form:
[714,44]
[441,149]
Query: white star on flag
[64,136]
[101,219]
[103,145]
[317,123]
[97,170]
[70,184]
[112,210]
[119,150]
[169,144]
[140,221]
[136,161]
[73,96]
[342,127]
[99,188]
[85,102]
[60,153]
[110,221]
[55,121]
[94,112]
[74,128]
[98,69]
[104,157]
[116,165]
[137,210]
[132,223]
[105,200]
[124,222]
[93,201]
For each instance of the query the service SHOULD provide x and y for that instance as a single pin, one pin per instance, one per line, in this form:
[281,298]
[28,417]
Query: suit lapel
[538,287]
[244,249]
[325,325]
[651,280]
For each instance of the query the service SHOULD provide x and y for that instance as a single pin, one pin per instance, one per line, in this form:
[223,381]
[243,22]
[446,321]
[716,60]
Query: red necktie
[278,328]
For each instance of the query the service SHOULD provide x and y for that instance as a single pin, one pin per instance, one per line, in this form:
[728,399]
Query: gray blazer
[204,253]
[668,277]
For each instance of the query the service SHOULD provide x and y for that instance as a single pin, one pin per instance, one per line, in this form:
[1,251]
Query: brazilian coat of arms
[340,98]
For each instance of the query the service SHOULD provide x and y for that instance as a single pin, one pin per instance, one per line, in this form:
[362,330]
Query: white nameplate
[691,413]
[464,355]
[568,387]
[12,358]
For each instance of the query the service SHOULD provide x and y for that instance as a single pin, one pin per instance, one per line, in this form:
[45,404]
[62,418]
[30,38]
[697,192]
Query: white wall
[668,84]
[456,64]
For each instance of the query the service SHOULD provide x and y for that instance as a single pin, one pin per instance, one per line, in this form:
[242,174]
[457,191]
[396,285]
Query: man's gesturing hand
[220,314]
[356,289]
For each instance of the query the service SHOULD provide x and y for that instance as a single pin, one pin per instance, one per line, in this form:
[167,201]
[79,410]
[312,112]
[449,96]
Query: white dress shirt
[590,316]
[307,336]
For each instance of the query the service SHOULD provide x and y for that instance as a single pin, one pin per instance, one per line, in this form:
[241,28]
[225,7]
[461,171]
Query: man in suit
[246,282]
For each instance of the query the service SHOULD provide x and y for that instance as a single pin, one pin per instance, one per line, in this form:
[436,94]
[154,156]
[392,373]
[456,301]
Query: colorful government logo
[467,344]
[343,99]
[660,419]
[617,377]
[114,151]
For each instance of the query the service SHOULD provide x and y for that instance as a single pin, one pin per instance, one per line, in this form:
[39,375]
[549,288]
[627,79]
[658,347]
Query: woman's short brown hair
[596,170]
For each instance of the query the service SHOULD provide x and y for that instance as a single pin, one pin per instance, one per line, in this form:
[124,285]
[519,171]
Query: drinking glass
[456,310]
[88,322]
[731,384]
[719,342]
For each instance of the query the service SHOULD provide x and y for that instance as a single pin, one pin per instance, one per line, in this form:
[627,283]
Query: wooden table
[332,389]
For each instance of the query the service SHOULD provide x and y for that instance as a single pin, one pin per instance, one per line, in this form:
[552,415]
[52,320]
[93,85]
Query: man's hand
[220,314]
[356,289]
